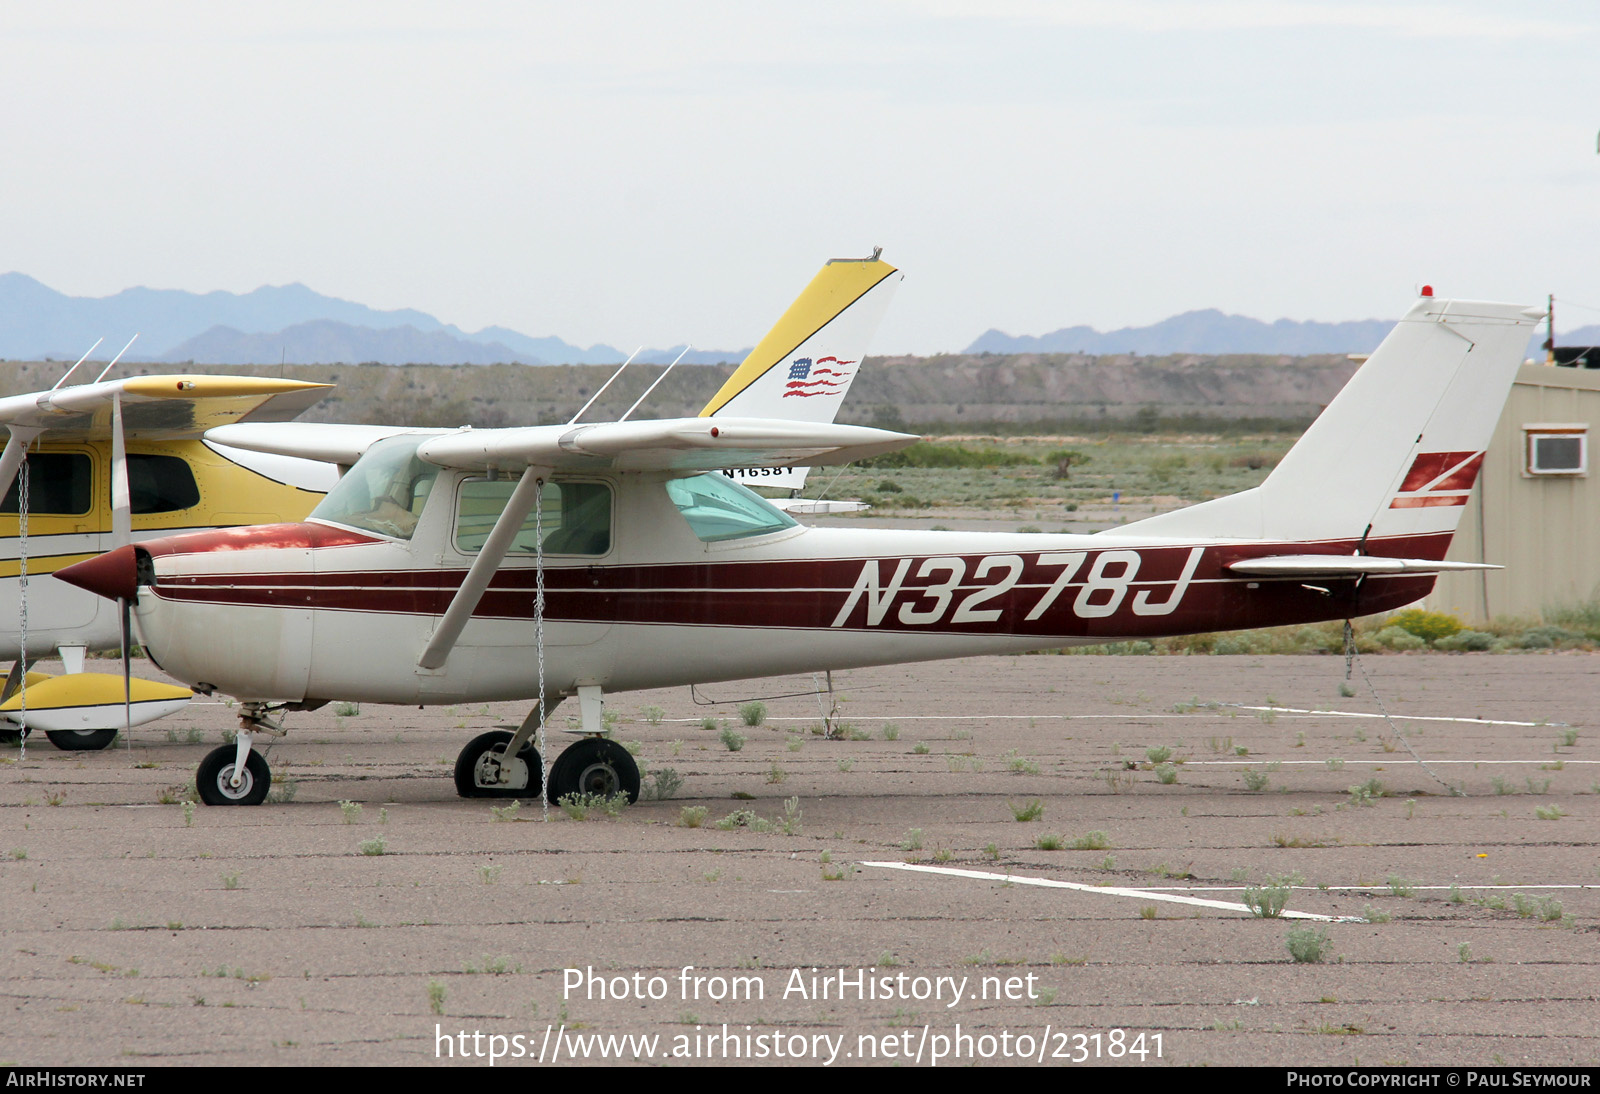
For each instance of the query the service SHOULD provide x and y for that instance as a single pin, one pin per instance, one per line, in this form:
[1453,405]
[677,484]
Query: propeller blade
[127,669]
[13,681]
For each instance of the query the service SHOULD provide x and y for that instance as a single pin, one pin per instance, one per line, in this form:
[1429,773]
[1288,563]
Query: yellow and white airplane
[108,463]
[554,561]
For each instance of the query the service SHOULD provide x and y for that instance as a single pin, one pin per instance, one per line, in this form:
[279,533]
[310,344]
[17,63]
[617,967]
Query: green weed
[1307,945]
[1030,810]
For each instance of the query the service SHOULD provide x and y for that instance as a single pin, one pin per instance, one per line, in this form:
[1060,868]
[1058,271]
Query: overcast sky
[659,172]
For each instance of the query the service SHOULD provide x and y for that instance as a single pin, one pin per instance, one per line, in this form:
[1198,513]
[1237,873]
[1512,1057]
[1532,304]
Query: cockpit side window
[574,516]
[384,492]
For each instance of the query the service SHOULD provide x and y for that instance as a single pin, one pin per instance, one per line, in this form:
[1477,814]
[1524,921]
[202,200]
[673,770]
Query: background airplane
[106,463]
[551,561]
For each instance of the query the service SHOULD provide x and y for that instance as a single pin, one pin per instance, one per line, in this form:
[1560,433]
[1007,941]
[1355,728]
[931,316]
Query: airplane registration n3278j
[442,564]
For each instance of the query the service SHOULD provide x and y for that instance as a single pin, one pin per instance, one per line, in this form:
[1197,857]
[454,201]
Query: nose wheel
[218,785]
[236,774]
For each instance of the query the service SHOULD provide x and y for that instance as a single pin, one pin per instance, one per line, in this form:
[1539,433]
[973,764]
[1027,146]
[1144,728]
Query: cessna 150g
[514,564]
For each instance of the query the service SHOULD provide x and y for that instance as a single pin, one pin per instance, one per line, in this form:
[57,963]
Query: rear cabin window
[59,483]
[717,508]
[161,484]
[575,517]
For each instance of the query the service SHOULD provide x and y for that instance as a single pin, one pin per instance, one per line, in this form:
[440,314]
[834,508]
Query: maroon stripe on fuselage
[929,595]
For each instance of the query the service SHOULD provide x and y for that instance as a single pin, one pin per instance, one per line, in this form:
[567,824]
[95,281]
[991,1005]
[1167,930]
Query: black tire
[216,771]
[594,765]
[81,740]
[526,776]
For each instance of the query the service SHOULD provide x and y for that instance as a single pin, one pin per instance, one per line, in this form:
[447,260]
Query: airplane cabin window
[161,484]
[384,492]
[574,516]
[58,483]
[717,508]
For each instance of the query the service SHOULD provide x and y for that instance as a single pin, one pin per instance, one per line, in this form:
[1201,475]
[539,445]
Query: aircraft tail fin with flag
[1395,455]
[803,368]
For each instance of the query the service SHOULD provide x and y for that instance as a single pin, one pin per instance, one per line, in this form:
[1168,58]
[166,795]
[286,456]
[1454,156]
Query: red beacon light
[1427,290]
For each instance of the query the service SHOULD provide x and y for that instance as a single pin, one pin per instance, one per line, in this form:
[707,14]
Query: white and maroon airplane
[514,564]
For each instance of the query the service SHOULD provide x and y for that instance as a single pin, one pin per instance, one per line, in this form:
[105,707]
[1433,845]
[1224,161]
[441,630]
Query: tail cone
[113,575]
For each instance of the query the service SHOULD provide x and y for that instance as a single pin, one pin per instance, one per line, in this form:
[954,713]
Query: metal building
[1536,507]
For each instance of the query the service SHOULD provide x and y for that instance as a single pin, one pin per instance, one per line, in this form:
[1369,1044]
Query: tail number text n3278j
[1101,591]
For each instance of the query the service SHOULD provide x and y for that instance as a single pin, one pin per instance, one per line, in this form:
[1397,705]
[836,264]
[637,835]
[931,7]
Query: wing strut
[121,536]
[465,602]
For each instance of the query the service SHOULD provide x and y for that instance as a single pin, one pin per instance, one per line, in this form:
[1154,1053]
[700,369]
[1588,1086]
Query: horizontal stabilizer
[1346,566]
[674,444]
[815,506]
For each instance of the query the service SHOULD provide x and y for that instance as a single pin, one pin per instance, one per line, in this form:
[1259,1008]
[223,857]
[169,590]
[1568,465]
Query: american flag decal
[1438,478]
[825,378]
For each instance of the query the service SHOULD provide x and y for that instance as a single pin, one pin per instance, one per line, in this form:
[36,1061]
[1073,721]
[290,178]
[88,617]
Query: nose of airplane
[113,575]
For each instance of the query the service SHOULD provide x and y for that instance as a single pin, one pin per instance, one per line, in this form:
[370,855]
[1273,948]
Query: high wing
[328,442]
[688,445]
[161,407]
[148,408]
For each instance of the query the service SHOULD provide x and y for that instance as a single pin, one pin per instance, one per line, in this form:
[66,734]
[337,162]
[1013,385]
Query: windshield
[718,508]
[384,492]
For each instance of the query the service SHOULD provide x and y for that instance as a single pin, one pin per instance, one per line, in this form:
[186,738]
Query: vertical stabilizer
[804,367]
[1397,451]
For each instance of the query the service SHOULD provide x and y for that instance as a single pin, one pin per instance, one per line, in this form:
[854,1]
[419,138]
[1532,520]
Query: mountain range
[1212,331]
[296,324]
[269,325]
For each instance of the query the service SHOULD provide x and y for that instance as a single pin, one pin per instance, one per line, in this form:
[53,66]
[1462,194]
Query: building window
[1555,450]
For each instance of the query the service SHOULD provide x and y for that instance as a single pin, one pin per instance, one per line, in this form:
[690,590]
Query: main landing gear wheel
[214,780]
[596,766]
[477,775]
[81,740]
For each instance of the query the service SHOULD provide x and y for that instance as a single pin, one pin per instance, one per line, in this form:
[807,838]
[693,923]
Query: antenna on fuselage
[74,368]
[603,386]
[653,386]
[115,359]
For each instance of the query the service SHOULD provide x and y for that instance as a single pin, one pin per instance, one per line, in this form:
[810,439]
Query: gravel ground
[1463,926]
